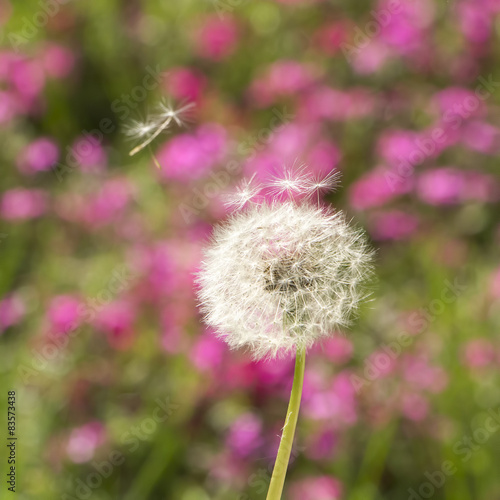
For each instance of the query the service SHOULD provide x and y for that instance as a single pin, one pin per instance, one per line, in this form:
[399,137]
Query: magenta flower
[20,204]
[392,225]
[116,319]
[337,105]
[330,37]
[28,78]
[316,488]
[495,284]
[208,352]
[406,28]
[336,403]
[216,38]
[418,372]
[58,61]
[190,156]
[109,202]
[89,153]
[83,442]
[478,353]
[282,78]
[40,155]
[9,106]
[245,435]
[448,186]
[63,314]
[185,84]
[12,310]
[337,349]
[442,186]
[457,104]
[414,406]
[475,21]
[377,188]
[482,137]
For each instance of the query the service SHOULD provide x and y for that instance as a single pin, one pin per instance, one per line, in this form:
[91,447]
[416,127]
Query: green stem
[286,443]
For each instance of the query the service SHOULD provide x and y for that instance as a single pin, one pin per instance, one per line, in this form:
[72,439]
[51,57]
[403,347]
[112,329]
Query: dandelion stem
[286,443]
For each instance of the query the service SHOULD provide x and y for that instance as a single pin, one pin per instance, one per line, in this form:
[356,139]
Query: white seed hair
[282,275]
[147,131]
[247,191]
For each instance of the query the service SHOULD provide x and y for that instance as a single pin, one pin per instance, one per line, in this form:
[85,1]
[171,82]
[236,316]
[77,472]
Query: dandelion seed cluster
[281,275]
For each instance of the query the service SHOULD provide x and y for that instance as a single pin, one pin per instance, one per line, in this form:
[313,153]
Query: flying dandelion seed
[147,131]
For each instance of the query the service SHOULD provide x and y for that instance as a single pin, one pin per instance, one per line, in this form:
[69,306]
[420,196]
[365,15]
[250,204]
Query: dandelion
[281,275]
[147,131]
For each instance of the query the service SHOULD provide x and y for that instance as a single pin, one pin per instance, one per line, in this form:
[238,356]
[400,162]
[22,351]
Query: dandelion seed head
[281,275]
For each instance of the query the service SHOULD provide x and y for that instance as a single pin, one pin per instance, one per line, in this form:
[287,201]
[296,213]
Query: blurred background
[121,391]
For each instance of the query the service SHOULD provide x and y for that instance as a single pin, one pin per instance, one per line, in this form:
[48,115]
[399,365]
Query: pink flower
[478,353]
[322,445]
[495,284]
[109,202]
[216,38]
[12,310]
[337,105]
[58,61]
[337,349]
[405,28]
[442,186]
[282,78]
[27,77]
[316,488]
[377,187]
[475,21]
[245,435]
[20,204]
[414,406]
[392,225]
[158,265]
[83,441]
[9,106]
[185,84]
[38,156]
[191,155]
[448,186]
[403,149]
[116,319]
[63,314]
[330,37]
[208,352]
[482,137]
[337,404]
[89,153]
[380,363]
[456,105]
[371,58]
[421,375]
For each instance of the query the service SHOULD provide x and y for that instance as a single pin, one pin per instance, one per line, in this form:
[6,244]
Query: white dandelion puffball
[281,275]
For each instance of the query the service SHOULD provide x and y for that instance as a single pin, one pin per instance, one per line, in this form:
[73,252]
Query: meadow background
[122,393]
